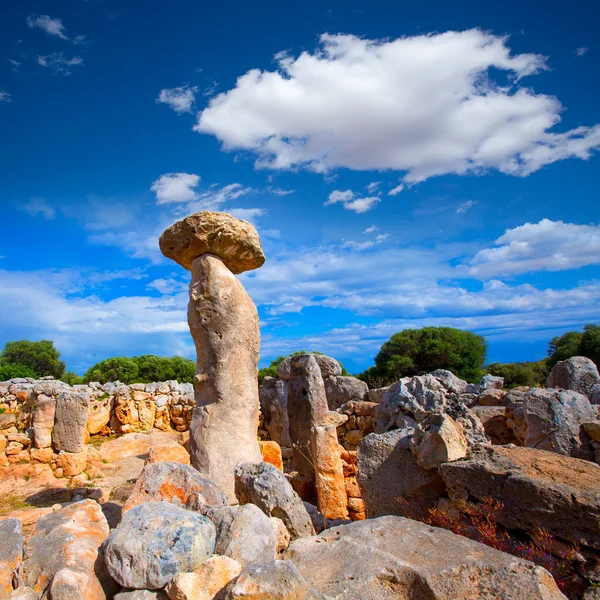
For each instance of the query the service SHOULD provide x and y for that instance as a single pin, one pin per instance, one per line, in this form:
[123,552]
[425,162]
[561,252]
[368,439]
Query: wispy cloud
[581,51]
[59,63]
[395,191]
[351,202]
[180,99]
[39,206]
[5,97]
[279,191]
[371,229]
[15,64]
[465,206]
[51,26]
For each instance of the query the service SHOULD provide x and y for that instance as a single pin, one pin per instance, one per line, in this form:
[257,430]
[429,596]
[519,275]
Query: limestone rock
[340,390]
[99,414]
[154,542]
[72,463]
[329,367]
[538,489]
[492,397]
[450,381]
[271,453]
[206,582]
[396,558]
[388,474]
[376,395]
[224,325]
[553,419]
[593,430]
[577,373]
[168,453]
[23,593]
[273,395]
[234,241]
[70,422]
[266,487]
[64,557]
[244,533]
[277,580]
[495,424]
[437,440]
[141,595]
[43,421]
[11,554]
[307,407]
[175,483]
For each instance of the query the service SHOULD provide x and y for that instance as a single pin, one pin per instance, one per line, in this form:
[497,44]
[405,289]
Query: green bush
[12,371]
[530,374]
[575,343]
[42,358]
[142,369]
[271,370]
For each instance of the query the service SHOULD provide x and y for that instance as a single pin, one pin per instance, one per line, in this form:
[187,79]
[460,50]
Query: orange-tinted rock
[42,455]
[271,453]
[168,453]
[72,463]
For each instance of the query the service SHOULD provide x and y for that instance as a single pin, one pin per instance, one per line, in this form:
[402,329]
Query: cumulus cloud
[351,202]
[39,206]
[427,105]
[5,97]
[176,187]
[371,229]
[51,26]
[465,206]
[395,191]
[180,99]
[59,63]
[544,246]
[373,187]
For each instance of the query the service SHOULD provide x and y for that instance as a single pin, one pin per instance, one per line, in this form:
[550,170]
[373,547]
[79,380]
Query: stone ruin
[233,526]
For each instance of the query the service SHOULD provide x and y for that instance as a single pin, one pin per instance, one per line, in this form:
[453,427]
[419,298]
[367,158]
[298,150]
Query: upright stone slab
[43,421]
[70,420]
[307,408]
[273,394]
[224,324]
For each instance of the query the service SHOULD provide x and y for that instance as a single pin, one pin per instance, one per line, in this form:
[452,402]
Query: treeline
[406,353]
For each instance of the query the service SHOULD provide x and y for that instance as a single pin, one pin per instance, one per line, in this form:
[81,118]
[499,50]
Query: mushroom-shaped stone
[234,241]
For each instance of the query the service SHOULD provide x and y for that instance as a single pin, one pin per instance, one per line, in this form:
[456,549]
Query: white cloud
[371,229]
[5,97]
[215,197]
[427,105]
[279,191]
[358,245]
[396,190]
[544,246]
[381,237]
[176,187]
[373,186]
[351,202]
[180,99]
[15,64]
[59,63]
[465,206]
[48,24]
[39,206]
[581,51]
[247,214]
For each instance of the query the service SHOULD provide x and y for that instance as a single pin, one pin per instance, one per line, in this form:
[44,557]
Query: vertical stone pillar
[224,325]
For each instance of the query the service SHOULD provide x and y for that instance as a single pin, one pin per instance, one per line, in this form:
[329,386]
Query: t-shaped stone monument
[224,324]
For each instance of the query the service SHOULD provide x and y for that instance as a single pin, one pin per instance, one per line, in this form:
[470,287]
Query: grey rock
[554,421]
[11,552]
[377,394]
[265,486]
[141,595]
[277,580]
[329,367]
[577,373]
[70,420]
[488,382]
[244,533]
[339,390]
[396,558]
[154,542]
[273,395]
[388,474]
[450,381]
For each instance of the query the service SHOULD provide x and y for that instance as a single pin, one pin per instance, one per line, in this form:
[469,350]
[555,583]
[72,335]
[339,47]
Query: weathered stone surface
[307,407]
[23,593]
[70,420]
[141,595]
[175,483]
[438,439]
[206,582]
[154,542]
[234,241]
[329,482]
[495,424]
[388,474]
[538,489]
[492,397]
[397,558]
[450,381]
[43,421]
[592,428]
[168,453]
[266,487]
[224,325]
[244,533]
[99,414]
[553,420]
[329,367]
[271,453]
[64,557]
[577,373]
[273,395]
[340,390]
[277,580]
[72,463]
[376,395]
[11,554]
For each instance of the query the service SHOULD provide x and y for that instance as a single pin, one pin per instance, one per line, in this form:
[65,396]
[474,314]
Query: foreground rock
[577,373]
[397,558]
[266,487]
[175,483]
[538,490]
[389,474]
[64,557]
[154,542]
[11,555]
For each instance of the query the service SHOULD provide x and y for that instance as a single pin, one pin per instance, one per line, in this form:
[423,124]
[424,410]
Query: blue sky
[406,165]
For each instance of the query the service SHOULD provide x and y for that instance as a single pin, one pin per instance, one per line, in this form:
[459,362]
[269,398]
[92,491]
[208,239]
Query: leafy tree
[14,370]
[42,358]
[72,378]
[590,343]
[271,370]
[564,346]
[142,369]
[184,369]
[119,368]
[420,351]
[530,374]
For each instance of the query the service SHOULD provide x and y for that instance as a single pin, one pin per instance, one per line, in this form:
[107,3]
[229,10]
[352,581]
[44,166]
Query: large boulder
[329,367]
[154,542]
[234,241]
[176,483]
[11,554]
[577,373]
[266,487]
[438,439]
[450,381]
[70,421]
[537,490]
[554,419]
[273,396]
[340,389]
[389,474]
[397,558]
[64,558]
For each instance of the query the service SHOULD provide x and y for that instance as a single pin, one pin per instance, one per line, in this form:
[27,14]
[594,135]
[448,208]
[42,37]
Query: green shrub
[42,358]
[271,370]
[11,371]
[530,374]
[142,369]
